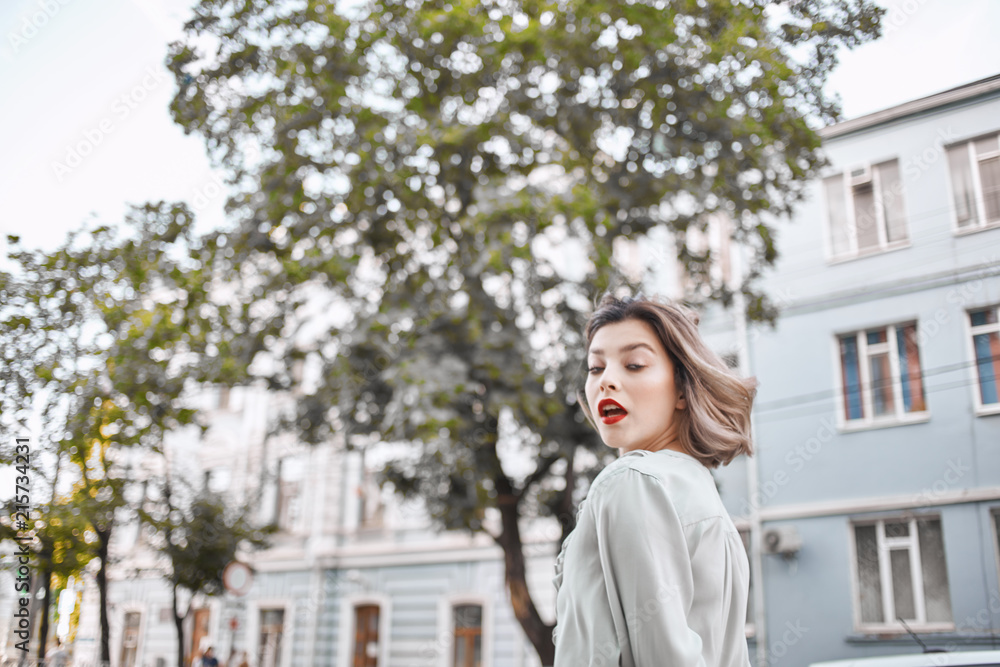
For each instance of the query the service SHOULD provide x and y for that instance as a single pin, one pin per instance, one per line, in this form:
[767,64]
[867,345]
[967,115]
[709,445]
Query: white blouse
[655,573]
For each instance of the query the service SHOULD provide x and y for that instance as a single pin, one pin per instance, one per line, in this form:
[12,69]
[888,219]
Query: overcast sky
[90,73]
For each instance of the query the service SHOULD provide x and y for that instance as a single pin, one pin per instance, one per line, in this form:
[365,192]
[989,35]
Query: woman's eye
[593,370]
[635,367]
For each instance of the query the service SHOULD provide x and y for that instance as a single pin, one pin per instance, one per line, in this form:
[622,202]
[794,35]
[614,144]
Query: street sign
[237,578]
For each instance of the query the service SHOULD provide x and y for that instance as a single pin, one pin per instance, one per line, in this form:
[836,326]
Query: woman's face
[630,388]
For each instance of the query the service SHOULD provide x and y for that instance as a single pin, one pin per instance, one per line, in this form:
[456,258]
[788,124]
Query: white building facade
[353,577]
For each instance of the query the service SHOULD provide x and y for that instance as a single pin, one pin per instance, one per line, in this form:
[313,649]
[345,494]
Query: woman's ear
[681,403]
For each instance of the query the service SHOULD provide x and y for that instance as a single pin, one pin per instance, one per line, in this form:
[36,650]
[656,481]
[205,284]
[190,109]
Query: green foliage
[62,544]
[202,539]
[101,333]
[428,196]
[102,338]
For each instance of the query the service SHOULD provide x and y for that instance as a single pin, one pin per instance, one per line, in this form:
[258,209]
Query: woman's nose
[609,381]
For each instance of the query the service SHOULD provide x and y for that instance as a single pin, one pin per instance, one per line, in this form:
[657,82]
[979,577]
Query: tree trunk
[567,509]
[104,540]
[539,632]
[179,625]
[43,630]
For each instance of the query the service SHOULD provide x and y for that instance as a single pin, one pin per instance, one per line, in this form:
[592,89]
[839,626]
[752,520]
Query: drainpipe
[753,473]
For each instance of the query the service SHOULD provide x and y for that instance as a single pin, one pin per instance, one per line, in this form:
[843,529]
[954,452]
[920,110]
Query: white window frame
[852,226]
[345,641]
[870,421]
[253,627]
[982,409]
[446,627]
[885,544]
[979,221]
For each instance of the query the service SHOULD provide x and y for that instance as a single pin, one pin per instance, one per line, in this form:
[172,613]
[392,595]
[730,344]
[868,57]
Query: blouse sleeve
[645,557]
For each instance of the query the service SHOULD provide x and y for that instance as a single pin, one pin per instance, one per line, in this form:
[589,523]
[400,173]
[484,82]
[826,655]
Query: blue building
[873,504]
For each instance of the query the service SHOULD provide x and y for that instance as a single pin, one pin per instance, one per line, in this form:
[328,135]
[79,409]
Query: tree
[415,162]
[61,548]
[199,541]
[103,337]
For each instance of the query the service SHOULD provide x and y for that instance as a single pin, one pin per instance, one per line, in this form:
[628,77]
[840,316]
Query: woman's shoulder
[665,466]
[681,480]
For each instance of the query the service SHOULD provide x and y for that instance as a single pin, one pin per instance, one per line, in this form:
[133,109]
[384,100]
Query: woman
[655,574]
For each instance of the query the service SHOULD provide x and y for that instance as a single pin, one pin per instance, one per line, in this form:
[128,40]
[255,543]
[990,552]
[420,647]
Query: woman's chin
[621,444]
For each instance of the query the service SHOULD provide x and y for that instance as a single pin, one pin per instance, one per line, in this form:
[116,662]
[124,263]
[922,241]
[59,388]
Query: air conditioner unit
[861,175]
[782,540]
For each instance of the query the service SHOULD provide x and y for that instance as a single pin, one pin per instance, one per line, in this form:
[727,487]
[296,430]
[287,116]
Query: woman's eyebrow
[625,348]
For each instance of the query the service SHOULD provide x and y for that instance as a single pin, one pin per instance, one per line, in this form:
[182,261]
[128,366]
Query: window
[865,210]
[365,623]
[995,516]
[272,626]
[200,631]
[371,509]
[287,487]
[880,375]
[130,639]
[745,536]
[975,182]
[223,398]
[365,636]
[901,573]
[986,347]
[468,623]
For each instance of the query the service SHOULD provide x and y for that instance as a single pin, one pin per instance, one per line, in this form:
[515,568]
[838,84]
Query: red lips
[610,411]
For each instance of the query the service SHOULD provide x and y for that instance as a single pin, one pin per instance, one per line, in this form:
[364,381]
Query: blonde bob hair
[715,427]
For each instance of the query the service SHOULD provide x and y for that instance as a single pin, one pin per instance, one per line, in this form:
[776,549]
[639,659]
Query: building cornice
[961,94]
[891,288]
[911,501]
